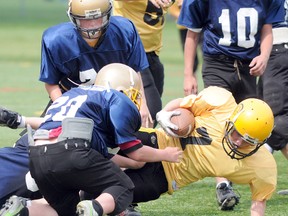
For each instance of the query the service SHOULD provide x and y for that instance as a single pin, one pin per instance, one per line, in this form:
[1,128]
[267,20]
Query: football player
[275,86]
[73,52]
[224,133]
[237,40]
[69,151]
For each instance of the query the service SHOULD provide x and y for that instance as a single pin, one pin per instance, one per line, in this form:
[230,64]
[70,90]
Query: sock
[268,148]
[226,182]
[22,121]
[24,212]
[97,207]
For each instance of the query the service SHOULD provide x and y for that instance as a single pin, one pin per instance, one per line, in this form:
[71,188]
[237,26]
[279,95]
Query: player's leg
[275,93]
[221,72]
[150,181]
[152,95]
[246,86]
[14,167]
[157,71]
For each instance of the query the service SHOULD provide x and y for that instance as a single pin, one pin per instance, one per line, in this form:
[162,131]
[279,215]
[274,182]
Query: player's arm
[190,49]
[258,208]
[54,91]
[149,154]
[144,111]
[156,3]
[259,63]
[125,162]
[14,120]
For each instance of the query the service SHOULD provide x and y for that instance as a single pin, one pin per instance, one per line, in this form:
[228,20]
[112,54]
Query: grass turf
[22,23]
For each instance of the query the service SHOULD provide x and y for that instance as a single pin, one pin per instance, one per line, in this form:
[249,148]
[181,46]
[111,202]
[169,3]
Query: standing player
[237,40]
[174,10]
[148,17]
[275,85]
[74,52]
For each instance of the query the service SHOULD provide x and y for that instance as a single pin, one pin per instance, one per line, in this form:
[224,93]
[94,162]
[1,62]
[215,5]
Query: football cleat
[85,208]
[13,206]
[226,197]
[130,211]
[283,192]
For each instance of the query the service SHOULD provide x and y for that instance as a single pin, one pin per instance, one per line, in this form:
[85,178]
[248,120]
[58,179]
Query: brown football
[185,122]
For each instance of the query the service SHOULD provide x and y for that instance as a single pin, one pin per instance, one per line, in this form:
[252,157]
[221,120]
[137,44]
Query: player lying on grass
[224,133]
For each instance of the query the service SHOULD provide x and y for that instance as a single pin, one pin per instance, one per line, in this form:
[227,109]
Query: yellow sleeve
[208,99]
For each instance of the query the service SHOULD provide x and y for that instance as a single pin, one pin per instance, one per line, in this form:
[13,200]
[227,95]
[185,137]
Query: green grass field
[22,23]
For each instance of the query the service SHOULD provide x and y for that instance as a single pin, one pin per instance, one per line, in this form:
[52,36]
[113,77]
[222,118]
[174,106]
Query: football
[185,122]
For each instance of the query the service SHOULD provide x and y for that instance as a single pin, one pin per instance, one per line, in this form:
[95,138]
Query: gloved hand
[9,118]
[163,118]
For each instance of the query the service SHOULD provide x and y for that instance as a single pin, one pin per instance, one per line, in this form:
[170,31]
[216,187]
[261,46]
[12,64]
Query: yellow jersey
[204,155]
[148,20]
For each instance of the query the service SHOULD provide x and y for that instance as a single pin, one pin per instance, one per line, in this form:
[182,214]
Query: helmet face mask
[121,78]
[89,11]
[235,151]
[252,121]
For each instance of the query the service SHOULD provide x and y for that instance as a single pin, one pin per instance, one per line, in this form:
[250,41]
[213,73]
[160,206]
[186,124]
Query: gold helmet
[254,121]
[121,78]
[90,10]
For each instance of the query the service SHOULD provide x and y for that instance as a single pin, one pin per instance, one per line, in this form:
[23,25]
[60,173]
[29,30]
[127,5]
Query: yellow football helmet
[90,10]
[254,121]
[121,78]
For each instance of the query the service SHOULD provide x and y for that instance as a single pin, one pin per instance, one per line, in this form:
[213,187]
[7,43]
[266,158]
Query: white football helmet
[121,78]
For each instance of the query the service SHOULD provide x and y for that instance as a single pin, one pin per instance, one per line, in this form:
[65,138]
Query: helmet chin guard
[90,10]
[232,149]
[253,120]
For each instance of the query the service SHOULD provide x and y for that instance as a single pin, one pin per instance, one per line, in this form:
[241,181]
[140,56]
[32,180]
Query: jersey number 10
[243,40]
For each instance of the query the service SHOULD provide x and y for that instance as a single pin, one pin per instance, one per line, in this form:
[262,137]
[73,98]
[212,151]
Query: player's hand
[163,118]
[190,84]
[174,154]
[146,118]
[9,118]
[162,3]
[258,65]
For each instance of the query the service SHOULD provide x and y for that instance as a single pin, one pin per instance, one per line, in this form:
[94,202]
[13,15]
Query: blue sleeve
[54,53]
[48,73]
[125,119]
[193,14]
[275,12]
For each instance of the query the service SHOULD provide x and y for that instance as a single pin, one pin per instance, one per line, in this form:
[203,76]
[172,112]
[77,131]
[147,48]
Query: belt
[229,59]
[277,47]
[61,146]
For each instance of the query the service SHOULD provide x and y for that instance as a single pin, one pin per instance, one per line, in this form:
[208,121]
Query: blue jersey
[232,28]
[115,116]
[66,54]
[285,22]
